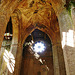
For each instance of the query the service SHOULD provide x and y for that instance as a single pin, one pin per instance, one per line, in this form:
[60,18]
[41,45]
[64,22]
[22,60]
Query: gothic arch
[30,30]
[58,58]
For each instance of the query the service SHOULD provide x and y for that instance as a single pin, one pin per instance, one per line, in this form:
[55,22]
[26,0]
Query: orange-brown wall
[32,66]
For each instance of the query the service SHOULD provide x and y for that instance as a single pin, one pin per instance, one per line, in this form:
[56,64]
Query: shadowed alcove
[37,62]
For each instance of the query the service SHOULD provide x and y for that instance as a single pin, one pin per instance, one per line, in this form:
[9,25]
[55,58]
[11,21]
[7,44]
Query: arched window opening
[34,60]
[8,32]
[6,55]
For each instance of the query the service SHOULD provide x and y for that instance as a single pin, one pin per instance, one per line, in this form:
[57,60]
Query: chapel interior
[37,37]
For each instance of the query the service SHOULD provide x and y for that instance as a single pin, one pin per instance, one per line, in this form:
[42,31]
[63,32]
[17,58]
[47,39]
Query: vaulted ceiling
[35,13]
[38,12]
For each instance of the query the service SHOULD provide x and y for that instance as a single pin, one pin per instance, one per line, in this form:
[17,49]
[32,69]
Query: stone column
[3,24]
[67,40]
[55,60]
[73,19]
[18,60]
[58,59]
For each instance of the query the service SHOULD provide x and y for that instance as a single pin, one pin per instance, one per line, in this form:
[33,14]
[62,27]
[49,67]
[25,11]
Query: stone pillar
[18,60]
[73,19]
[3,24]
[58,59]
[67,40]
[55,60]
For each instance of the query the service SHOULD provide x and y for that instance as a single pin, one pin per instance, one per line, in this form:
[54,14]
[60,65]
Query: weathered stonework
[41,14]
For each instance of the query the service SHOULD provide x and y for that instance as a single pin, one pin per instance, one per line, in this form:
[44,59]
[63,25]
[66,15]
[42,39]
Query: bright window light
[39,47]
[10,60]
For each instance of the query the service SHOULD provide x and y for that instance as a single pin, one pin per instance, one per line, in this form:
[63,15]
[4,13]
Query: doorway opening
[37,56]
